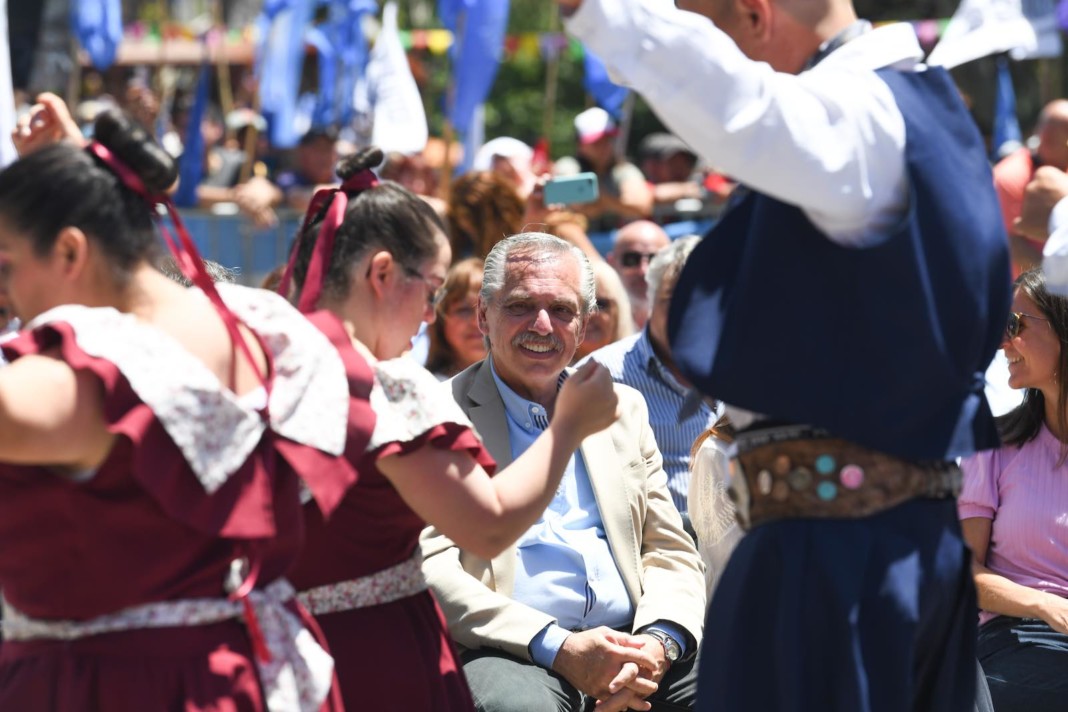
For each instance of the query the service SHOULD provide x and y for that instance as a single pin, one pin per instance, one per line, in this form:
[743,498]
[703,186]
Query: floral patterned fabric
[409,402]
[214,429]
[392,584]
[297,677]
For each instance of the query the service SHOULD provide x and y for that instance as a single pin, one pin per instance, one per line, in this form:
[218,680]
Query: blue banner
[1007,134]
[279,63]
[478,27]
[609,96]
[191,164]
[98,26]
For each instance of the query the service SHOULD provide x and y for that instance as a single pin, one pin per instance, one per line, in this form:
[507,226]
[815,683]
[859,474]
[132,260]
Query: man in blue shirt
[643,362]
[553,622]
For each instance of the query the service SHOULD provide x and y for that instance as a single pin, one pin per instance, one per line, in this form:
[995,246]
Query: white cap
[505,147]
[592,124]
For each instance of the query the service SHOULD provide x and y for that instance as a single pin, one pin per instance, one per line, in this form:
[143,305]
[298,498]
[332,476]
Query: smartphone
[569,190]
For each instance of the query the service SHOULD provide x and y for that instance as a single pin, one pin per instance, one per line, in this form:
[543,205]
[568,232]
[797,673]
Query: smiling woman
[1014,512]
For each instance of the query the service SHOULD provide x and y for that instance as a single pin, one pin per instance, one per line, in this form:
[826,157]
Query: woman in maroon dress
[377,273]
[153,440]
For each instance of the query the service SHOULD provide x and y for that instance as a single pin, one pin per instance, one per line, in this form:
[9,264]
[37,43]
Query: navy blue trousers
[866,615]
[1026,664]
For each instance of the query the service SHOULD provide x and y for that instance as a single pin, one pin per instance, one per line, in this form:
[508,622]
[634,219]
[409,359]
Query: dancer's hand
[587,403]
[48,122]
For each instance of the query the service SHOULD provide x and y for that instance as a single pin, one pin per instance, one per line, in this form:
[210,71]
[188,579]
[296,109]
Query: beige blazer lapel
[485,408]
[613,492]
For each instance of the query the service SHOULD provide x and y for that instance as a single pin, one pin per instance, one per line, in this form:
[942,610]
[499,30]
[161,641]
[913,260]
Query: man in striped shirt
[642,362]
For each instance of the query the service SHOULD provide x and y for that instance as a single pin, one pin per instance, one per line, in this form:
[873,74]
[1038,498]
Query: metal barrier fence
[233,241]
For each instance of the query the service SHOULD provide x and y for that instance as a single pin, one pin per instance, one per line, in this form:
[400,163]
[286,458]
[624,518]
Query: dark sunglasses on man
[1016,323]
[633,259]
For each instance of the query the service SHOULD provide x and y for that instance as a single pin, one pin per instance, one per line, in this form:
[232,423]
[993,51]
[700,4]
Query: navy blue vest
[885,346]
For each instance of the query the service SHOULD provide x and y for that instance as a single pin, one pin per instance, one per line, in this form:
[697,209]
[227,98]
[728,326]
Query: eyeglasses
[461,311]
[633,259]
[435,293]
[1016,323]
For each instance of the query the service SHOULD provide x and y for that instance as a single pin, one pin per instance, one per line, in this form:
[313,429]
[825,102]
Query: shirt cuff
[677,634]
[546,644]
[1055,251]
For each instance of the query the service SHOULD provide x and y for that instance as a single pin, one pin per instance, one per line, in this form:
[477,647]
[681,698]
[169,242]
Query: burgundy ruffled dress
[396,655]
[197,480]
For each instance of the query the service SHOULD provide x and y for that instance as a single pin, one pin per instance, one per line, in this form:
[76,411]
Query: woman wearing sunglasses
[376,254]
[1014,512]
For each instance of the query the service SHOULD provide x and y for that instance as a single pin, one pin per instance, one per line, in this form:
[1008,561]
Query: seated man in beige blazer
[603,598]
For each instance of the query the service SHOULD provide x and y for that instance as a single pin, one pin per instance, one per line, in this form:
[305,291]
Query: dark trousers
[502,683]
[864,615]
[1026,665]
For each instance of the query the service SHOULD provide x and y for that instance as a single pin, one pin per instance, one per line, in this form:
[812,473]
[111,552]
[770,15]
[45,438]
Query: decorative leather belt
[797,472]
[392,584]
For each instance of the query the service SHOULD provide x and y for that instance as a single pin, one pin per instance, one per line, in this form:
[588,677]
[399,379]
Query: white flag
[7,94]
[399,116]
[1026,29]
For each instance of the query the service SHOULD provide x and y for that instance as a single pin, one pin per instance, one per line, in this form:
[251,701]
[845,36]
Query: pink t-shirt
[1025,493]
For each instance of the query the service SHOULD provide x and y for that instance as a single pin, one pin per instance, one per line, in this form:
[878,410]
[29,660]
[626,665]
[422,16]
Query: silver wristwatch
[672,650]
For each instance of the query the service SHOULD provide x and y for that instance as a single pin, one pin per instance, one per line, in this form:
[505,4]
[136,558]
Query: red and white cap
[593,124]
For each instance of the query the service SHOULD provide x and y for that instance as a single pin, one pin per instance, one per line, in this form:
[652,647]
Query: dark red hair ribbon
[186,255]
[319,265]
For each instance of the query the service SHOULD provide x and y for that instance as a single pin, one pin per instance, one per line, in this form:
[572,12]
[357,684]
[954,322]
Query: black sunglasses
[633,259]
[1016,323]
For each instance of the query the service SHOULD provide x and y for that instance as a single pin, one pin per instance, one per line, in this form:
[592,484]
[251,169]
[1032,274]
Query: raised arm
[450,491]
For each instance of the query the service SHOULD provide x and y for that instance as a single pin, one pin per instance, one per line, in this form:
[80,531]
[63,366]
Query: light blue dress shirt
[564,565]
[632,362]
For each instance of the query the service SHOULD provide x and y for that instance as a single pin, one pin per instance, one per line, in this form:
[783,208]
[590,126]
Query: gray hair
[536,243]
[668,263]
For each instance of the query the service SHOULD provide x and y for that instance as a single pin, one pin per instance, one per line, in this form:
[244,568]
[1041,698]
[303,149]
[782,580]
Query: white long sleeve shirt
[830,140]
[1055,252]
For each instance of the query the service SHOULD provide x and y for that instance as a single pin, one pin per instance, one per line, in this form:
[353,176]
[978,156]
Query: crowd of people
[452,458]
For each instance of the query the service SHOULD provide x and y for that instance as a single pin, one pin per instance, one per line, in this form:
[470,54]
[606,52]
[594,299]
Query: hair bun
[362,160]
[135,147]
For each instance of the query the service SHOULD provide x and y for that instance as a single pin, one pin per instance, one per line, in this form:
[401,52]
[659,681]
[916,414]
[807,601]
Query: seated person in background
[634,248]
[643,362]
[483,209]
[623,193]
[315,157]
[455,341]
[711,510]
[611,320]
[541,622]
[1014,514]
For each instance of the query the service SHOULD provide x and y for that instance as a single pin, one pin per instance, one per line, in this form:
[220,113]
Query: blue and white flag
[279,63]
[608,95]
[1026,29]
[478,27]
[391,102]
[98,26]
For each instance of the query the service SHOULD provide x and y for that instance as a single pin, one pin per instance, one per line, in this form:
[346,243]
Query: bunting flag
[1007,134]
[608,95]
[7,94]
[478,27]
[1027,29]
[392,96]
[98,26]
[191,164]
[279,63]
